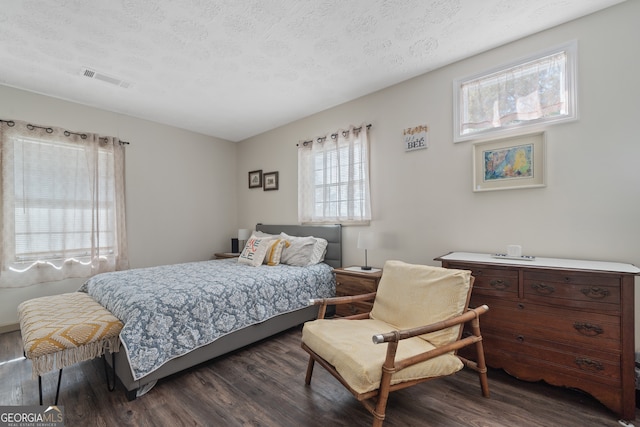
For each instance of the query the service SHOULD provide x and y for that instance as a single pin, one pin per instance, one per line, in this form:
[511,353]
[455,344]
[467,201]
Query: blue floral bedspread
[173,309]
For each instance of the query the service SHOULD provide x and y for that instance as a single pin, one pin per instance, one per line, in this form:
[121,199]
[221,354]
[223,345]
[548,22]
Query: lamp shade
[366,240]
[244,234]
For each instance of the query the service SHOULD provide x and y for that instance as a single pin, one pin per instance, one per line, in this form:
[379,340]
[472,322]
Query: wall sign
[415,138]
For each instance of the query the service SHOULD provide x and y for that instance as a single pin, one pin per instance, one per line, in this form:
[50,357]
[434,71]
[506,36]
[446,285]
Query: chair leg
[307,379]
[482,370]
[481,364]
[110,386]
[57,388]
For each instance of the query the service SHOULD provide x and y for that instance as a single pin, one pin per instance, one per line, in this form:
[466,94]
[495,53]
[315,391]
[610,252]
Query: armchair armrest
[342,300]
[396,336]
[324,302]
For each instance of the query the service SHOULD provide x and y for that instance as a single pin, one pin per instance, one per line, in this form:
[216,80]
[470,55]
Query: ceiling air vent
[92,74]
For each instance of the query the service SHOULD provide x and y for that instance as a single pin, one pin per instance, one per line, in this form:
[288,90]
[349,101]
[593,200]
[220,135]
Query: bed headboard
[332,234]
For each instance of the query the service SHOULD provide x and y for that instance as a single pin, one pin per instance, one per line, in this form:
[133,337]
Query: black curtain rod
[11,123]
[333,136]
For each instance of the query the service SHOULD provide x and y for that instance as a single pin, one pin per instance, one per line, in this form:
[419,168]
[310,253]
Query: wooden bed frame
[244,336]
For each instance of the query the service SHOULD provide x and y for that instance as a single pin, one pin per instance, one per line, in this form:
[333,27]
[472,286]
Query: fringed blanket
[173,309]
[62,330]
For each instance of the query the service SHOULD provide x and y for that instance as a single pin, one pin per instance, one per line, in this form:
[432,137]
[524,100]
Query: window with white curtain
[538,90]
[63,204]
[333,178]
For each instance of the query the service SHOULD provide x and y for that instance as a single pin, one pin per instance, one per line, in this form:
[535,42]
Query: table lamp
[366,240]
[243,236]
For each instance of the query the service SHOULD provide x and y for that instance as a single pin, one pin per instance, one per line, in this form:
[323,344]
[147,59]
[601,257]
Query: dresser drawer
[491,281]
[530,321]
[349,285]
[580,363]
[594,292]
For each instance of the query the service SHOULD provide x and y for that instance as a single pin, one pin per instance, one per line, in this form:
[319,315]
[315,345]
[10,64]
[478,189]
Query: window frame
[570,84]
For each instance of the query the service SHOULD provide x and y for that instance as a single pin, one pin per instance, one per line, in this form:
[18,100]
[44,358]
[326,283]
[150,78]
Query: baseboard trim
[9,328]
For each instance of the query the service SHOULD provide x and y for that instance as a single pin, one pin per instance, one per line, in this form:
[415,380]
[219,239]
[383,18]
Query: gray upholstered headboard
[332,233]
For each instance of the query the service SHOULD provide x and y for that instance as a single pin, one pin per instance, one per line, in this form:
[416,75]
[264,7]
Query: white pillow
[254,251]
[319,248]
[299,251]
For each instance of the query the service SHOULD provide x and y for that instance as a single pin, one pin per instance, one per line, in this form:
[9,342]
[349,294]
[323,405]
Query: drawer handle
[595,292]
[587,364]
[588,329]
[543,289]
[499,284]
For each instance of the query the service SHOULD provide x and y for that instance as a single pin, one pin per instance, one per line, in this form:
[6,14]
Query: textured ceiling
[236,68]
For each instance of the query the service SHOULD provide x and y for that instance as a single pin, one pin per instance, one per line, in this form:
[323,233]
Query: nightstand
[354,282]
[223,255]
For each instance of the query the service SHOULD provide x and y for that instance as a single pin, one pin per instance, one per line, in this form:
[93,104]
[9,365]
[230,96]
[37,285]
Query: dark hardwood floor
[263,385]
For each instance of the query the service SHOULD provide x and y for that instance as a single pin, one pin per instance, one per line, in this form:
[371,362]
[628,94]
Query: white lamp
[243,236]
[366,240]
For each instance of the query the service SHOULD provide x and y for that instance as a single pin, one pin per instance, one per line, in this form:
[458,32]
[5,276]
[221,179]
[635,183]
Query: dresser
[350,281]
[567,322]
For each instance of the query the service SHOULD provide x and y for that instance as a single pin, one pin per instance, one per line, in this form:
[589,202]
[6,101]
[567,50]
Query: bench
[61,330]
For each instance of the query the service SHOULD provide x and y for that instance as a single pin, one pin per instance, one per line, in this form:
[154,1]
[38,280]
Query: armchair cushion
[347,345]
[445,290]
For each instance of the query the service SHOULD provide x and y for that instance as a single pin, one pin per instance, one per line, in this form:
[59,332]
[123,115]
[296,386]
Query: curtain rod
[11,123]
[333,136]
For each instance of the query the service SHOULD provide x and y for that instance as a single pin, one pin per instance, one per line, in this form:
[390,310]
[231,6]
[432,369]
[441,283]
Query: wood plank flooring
[263,385]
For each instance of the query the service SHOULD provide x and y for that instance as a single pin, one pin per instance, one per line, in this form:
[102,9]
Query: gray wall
[423,203]
[181,189]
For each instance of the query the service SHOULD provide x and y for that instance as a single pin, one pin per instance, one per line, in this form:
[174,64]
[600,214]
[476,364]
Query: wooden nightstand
[222,255]
[350,282]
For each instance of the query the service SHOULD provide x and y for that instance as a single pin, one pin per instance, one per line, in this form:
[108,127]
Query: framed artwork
[270,181]
[504,164]
[255,179]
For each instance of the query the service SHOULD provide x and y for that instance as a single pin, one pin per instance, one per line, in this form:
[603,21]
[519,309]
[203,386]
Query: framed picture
[504,164]
[255,179]
[270,181]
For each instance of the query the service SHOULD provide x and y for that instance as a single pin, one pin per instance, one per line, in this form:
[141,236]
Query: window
[333,178]
[538,90]
[62,205]
[54,221]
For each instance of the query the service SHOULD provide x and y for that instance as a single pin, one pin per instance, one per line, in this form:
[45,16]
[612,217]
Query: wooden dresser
[353,282]
[567,322]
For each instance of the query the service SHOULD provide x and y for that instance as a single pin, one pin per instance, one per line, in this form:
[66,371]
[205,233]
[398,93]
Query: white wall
[180,187]
[423,202]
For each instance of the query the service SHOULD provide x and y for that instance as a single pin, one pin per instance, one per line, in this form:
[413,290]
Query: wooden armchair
[419,311]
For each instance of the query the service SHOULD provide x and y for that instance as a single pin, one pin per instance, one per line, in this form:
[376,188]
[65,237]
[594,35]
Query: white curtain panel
[63,209]
[333,178]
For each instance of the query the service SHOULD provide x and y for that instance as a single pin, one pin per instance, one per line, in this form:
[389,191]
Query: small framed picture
[255,179]
[504,164]
[270,181]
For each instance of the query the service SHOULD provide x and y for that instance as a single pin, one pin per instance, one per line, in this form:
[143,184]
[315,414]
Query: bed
[154,346]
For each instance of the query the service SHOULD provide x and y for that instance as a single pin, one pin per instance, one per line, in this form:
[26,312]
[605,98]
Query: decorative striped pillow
[274,252]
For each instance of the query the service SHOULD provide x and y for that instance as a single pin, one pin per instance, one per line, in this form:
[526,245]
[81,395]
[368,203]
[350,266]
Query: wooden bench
[61,330]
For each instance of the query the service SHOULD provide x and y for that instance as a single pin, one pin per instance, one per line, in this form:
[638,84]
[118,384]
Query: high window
[534,91]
